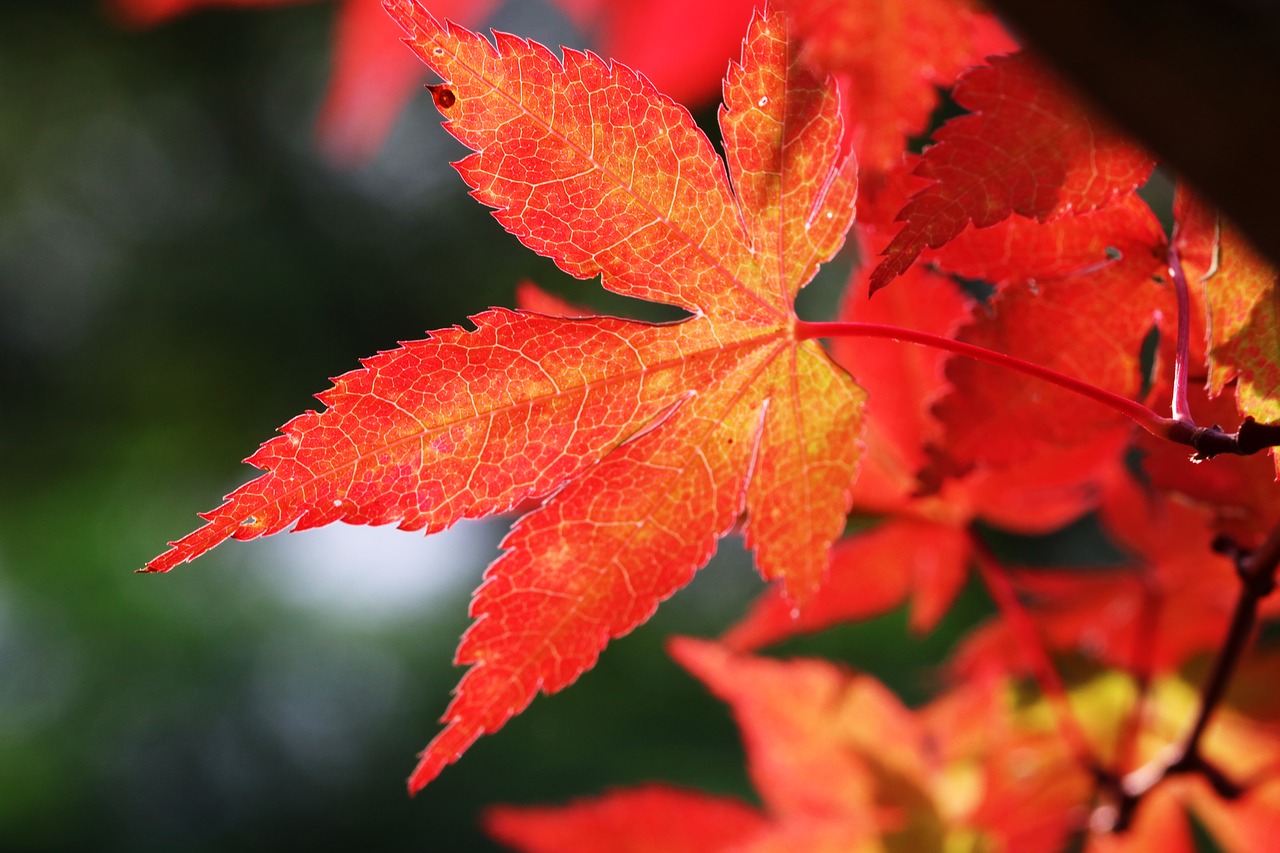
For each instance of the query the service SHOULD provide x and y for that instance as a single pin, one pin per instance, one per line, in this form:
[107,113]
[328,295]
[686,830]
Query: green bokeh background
[179,273]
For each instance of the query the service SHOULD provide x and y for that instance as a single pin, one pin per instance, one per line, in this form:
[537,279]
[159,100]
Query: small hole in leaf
[443,96]
[437,51]
[1114,254]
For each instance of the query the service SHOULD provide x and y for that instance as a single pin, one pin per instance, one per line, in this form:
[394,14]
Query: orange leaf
[841,764]
[871,573]
[819,741]
[1020,249]
[1027,147]
[1242,293]
[653,438]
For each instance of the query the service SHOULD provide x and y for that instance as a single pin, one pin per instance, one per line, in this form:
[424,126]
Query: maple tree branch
[1055,692]
[1211,441]
[1257,571]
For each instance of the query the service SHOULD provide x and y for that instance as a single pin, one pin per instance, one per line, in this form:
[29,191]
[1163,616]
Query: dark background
[179,273]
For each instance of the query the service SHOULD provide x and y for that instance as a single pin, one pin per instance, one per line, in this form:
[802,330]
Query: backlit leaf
[1090,327]
[891,57]
[652,440]
[1028,146]
[1242,292]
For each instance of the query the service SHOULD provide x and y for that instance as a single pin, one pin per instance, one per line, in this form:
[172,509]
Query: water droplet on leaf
[443,96]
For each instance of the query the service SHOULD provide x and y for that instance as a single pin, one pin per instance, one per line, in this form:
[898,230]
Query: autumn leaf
[840,763]
[1090,327]
[922,551]
[892,57]
[1242,295]
[822,745]
[871,572]
[1173,599]
[1021,250]
[1028,146]
[653,438]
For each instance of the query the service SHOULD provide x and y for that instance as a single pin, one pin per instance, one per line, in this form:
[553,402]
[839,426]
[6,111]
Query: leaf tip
[445,749]
[697,655]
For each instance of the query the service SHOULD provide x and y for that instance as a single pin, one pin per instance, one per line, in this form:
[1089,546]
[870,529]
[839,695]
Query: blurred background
[180,270]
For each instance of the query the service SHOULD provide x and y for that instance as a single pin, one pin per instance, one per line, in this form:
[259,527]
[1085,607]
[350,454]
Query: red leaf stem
[1140,414]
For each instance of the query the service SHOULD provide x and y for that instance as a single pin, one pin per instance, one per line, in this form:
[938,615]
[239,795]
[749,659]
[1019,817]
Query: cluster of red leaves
[840,764]
[644,444]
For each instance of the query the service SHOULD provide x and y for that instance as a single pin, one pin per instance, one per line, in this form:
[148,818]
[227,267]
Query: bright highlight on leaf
[1242,294]
[652,439]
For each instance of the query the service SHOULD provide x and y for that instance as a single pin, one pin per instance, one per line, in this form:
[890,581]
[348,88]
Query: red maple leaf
[1028,146]
[891,57]
[923,550]
[1022,250]
[1241,293]
[651,439]
[1089,322]
[1175,599]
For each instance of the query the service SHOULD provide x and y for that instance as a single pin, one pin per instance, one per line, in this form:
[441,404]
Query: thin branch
[1046,674]
[1257,570]
[1147,627]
